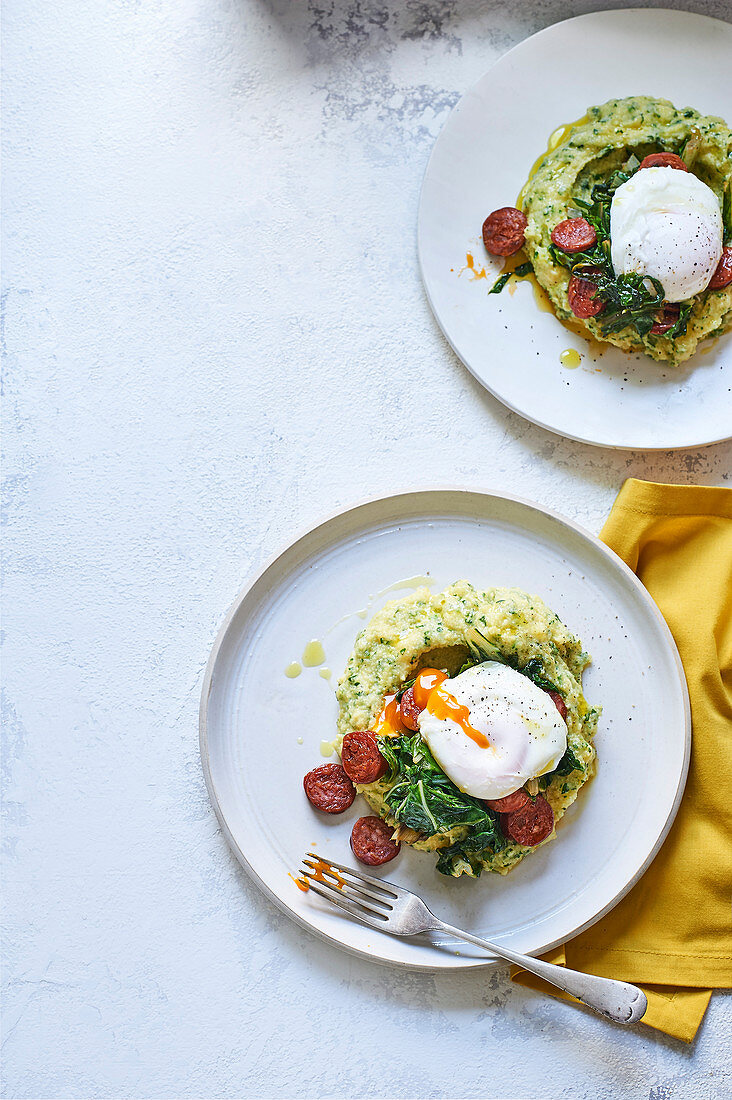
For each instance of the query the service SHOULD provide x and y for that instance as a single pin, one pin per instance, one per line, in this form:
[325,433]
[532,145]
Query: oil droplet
[556,138]
[300,741]
[325,673]
[313,654]
[570,358]
[293,670]
[326,748]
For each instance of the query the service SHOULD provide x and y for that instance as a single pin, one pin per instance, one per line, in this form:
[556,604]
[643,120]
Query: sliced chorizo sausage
[559,703]
[503,231]
[531,824]
[410,710]
[581,296]
[362,762]
[574,235]
[666,319]
[510,802]
[372,842]
[663,160]
[722,277]
[329,789]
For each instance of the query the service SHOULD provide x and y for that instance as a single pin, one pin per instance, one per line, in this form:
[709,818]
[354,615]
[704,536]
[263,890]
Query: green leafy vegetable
[483,650]
[520,272]
[679,328]
[631,301]
[534,669]
[423,798]
[405,687]
[568,763]
[500,283]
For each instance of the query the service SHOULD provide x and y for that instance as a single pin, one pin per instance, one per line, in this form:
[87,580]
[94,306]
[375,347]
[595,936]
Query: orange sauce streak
[389,722]
[301,883]
[477,272]
[444,705]
[427,680]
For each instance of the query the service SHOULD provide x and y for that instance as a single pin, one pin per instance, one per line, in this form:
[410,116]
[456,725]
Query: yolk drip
[320,872]
[426,682]
[323,869]
[389,721]
[444,705]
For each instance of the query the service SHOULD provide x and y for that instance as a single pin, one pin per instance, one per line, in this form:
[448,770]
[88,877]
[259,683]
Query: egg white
[667,224]
[527,735]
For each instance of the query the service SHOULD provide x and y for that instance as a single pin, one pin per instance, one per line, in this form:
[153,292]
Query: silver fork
[381,904]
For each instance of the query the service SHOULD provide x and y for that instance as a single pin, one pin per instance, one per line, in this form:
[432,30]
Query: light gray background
[215,334]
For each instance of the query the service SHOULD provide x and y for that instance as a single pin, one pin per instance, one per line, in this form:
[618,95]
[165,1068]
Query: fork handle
[619,1001]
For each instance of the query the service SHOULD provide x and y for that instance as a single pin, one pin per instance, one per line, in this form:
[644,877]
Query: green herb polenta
[590,152]
[440,631]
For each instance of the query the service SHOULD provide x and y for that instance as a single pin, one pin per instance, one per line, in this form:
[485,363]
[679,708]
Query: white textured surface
[214,334]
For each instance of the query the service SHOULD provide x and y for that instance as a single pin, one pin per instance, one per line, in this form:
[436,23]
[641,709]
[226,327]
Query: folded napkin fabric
[672,933]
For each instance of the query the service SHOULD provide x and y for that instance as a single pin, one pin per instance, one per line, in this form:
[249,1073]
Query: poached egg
[492,729]
[667,224]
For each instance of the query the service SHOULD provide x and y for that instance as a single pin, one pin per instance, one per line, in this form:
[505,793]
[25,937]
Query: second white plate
[261,732]
[480,162]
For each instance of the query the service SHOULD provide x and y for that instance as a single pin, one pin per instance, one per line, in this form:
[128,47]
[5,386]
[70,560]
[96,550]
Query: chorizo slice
[510,802]
[362,762]
[665,319]
[663,160]
[559,703]
[722,277]
[581,296]
[531,824]
[410,710]
[329,789]
[372,842]
[574,235]
[503,231]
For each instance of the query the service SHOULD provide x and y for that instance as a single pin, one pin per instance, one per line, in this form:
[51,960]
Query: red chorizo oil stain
[476,273]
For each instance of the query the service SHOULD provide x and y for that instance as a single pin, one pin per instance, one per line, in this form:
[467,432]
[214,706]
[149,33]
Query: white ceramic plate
[481,161]
[252,716]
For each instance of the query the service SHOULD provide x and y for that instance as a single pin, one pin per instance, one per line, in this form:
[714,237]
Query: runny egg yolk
[492,706]
[389,722]
[427,680]
[444,705]
[431,696]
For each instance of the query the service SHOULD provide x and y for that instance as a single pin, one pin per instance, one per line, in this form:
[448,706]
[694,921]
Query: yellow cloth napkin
[672,934]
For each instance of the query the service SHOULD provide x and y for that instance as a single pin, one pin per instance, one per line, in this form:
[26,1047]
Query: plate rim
[553,27]
[255,575]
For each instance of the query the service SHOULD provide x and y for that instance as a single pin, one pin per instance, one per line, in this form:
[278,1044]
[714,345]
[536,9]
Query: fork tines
[359,876]
[361,895]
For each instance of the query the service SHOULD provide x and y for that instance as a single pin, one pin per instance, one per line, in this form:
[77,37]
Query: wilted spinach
[483,650]
[520,271]
[569,763]
[423,798]
[630,300]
